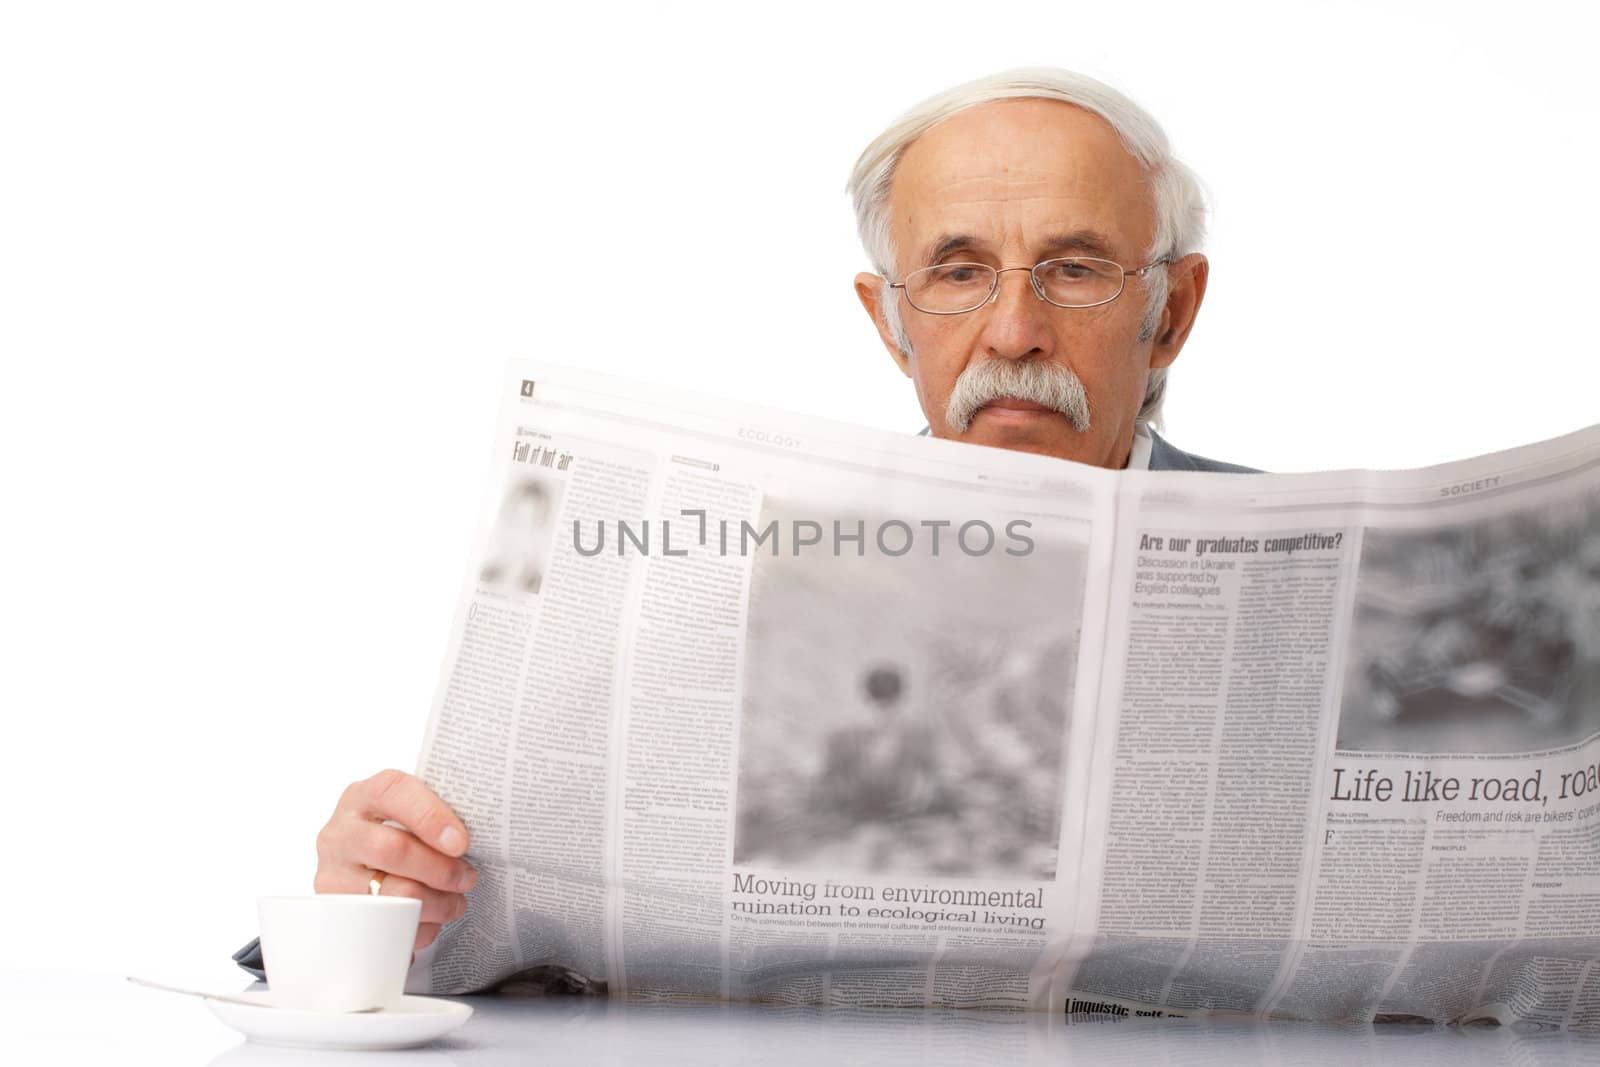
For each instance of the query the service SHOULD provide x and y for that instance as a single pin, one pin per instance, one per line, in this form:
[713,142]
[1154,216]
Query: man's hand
[424,863]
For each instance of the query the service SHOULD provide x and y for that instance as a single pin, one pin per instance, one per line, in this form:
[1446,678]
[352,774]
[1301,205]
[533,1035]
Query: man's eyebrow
[1088,242]
[1085,242]
[948,243]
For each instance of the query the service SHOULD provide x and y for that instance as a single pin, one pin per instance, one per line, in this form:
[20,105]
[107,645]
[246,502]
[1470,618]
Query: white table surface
[57,1017]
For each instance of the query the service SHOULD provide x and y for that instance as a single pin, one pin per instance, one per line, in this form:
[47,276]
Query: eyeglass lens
[948,288]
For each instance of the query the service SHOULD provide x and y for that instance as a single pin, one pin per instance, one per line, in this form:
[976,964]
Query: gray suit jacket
[1163,457]
[249,959]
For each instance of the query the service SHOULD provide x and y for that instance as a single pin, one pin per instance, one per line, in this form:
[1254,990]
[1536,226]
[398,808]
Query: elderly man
[1045,250]
[1043,246]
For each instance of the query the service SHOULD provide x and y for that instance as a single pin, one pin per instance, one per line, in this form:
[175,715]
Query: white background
[261,265]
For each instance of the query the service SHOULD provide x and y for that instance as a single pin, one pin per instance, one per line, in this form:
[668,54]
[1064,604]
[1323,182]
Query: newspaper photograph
[741,704]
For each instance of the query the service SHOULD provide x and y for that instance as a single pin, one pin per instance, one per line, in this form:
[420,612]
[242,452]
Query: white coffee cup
[337,951]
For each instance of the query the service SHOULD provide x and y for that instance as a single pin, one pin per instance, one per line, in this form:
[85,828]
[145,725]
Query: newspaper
[744,704]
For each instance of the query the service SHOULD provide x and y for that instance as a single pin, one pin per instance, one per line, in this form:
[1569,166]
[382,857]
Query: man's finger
[394,851]
[437,906]
[426,932]
[407,800]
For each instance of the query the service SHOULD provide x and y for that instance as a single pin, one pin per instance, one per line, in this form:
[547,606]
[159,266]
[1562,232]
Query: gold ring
[375,883]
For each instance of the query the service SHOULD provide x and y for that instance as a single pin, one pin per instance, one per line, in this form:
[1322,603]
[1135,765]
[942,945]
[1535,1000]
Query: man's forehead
[1052,168]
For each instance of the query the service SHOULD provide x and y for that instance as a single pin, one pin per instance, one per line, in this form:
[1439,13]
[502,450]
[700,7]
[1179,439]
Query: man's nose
[1017,322]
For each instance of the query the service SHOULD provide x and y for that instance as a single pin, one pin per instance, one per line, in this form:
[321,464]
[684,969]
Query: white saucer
[416,1021]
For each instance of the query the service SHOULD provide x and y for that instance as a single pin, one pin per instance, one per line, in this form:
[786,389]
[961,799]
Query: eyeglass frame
[1033,278]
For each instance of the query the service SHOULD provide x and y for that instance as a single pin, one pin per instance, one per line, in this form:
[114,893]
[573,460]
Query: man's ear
[1186,288]
[872,290]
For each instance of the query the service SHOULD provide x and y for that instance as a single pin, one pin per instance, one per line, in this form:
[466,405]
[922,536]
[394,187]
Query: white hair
[1180,207]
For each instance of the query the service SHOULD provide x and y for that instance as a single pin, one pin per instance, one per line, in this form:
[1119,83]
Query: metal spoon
[251,1002]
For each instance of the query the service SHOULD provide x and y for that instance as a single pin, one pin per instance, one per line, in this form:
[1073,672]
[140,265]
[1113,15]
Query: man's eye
[1069,272]
[959,274]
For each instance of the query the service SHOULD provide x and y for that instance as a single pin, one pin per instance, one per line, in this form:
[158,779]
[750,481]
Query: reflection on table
[513,1030]
[67,1017]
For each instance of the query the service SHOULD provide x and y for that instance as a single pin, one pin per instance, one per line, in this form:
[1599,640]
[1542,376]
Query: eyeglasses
[1072,282]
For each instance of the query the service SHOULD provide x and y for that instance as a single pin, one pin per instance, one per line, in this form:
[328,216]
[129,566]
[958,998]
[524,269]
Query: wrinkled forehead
[1017,176]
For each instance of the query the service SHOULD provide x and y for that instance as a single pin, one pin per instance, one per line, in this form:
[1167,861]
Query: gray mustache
[1037,381]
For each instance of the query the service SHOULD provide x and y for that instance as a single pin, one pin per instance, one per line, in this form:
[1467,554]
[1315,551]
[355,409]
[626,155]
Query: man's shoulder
[1164,457]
